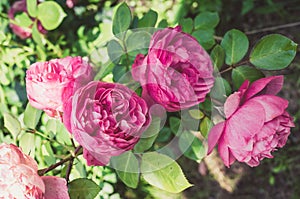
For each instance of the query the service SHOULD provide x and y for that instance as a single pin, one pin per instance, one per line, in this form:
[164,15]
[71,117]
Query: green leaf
[121,19]
[191,146]
[163,172]
[235,44]
[12,124]
[148,137]
[242,73]
[218,56]
[148,20]
[221,89]
[163,24]
[175,125]
[247,6]
[196,114]
[138,42]
[206,20]
[36,35]
[31,116]
[23,20]
[83,188]
[205,38]
[119,72]
[50,14]
[127,168]
[115,51]
[273,52]
[26,142]
[31,7]
[187,25]
[205,126]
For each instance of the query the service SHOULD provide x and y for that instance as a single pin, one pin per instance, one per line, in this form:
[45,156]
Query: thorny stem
[70,159]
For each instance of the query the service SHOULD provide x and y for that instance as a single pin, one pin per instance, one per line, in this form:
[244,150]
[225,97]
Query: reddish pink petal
[231,104]
[225,153]
[273,106]
[214,136]
[56,188]
[269,85]
[244,124]
[244,86]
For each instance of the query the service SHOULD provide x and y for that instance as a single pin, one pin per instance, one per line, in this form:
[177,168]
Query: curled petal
[214,136]
[268,86]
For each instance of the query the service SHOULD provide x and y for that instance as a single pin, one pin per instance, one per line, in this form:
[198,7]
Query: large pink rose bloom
[107,119]
[22,32]
[49,84]
[177,73]
[19,178]
[256,123]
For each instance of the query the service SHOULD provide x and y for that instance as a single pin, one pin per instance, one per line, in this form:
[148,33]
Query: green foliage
[148,20]
[273,52]
[50,14]
[115,51]
[127,168]
[207,20]
[221,89]
[83,189]
[235,44]
[31,116]
[218,56]
[163,172]
[242,73]
[191,146]
[122,19]
[147,139]
[12,124]
[31,7]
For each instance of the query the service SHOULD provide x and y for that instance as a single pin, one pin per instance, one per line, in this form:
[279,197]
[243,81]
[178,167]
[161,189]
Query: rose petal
[244,124]
[214,136]
[225,153]
[269,85]
[56,188]
[273,106]
[231,104]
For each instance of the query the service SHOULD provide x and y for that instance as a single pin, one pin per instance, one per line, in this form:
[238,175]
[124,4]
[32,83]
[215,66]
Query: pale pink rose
[177,72]
[49,84]
[22,32]
[107,119]
[256,123]
[19,178]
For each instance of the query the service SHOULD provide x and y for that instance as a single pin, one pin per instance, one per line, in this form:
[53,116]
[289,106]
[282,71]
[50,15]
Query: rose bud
[177,72]
[107,119]
[22,32]
[256,123]
[50,83]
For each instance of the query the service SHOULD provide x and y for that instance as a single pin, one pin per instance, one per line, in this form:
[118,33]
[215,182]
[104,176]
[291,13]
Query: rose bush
[256,123]
[22,31]
[49,84]
[177,72]
[107,119]
[19,177]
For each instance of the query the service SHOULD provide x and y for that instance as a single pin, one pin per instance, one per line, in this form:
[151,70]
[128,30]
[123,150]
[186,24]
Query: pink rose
[177,73]
[22,32]
[107,119]
[50,83]
[71,3]
[19,177]
[256,123]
